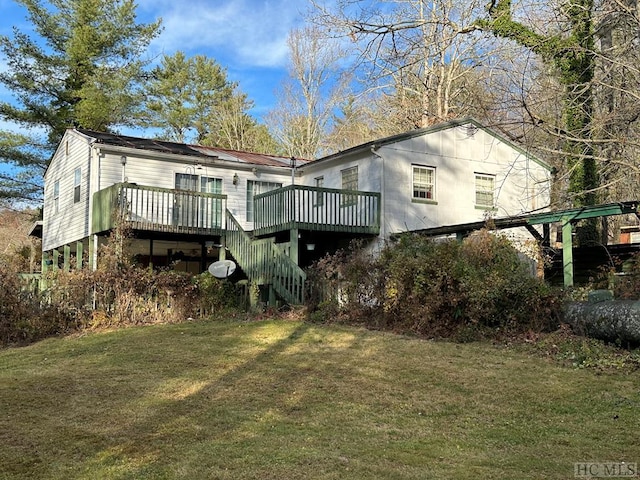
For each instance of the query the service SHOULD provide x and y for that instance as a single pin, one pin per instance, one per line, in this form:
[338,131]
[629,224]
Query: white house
[189,205]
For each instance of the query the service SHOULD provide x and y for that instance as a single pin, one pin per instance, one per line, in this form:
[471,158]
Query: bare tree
[307,99]
[589,48]
[560,76]
[422,57]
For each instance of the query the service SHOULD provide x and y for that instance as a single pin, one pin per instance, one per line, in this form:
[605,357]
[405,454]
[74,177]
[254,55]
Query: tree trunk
[614,320]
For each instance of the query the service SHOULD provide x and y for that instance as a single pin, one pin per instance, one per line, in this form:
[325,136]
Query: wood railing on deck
[159,209]
[264,263]
[319,209]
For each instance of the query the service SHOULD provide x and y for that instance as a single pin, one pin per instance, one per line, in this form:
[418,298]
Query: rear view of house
[188,206]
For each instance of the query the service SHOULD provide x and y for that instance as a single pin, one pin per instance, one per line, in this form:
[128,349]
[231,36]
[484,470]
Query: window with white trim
[485,187]
[349,182]
[424,183]
[210,185]
[186,181]
[77,179]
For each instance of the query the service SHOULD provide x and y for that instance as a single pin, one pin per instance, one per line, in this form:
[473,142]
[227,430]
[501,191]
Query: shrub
[24,316]
[479,287]
[117,293]
[627,286]
[215,295]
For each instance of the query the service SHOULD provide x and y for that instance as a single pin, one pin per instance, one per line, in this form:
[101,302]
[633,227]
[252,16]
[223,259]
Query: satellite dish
[222,268]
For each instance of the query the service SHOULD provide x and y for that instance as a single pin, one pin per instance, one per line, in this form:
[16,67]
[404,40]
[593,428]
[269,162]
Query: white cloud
[252,33]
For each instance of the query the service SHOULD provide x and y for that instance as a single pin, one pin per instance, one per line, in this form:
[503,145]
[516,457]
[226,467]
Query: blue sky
[247,37]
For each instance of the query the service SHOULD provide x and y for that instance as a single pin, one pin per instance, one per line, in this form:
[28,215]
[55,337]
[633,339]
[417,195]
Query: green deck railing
[159,209]
[32,282]
[265,263]
[319,209]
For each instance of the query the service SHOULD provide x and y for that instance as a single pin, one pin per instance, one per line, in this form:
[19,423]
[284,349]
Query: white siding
[161,172]
[462,154]
[70,223]
[457,154]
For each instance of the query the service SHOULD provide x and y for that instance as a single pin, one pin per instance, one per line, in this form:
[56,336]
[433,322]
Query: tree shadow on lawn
[155,411]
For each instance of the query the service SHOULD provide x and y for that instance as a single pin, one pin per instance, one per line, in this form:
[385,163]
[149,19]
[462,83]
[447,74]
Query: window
[254,188]
[349,182]
[210,185]
[350,178]
[186,181]
[56,196]
[77,178]
[485,185]
[211,208]
[424,183]
[319,198]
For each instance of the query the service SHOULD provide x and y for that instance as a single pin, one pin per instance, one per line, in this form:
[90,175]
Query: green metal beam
[565,217]
[576,214]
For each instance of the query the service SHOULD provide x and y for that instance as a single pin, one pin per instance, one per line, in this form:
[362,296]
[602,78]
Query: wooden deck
[188,212]
[317,209]
[159,210]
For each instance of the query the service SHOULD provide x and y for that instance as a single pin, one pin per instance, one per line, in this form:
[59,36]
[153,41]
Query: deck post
[272,296]
[222,251]
[79,254]
[93,252]
[567,252]
[203,257]
[92,249]
[56,260]
[294,242]
[67,257]
[151,254]
[46,261]
[254,296]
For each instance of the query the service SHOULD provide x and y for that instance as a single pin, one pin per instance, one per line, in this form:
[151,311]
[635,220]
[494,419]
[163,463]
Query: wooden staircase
[265,263]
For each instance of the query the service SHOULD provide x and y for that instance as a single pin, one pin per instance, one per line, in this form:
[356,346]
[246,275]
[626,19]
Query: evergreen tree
[182,94]
[192,100]
[82,67]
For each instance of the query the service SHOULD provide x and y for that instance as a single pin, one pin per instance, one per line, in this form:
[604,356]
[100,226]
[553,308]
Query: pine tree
[82,67]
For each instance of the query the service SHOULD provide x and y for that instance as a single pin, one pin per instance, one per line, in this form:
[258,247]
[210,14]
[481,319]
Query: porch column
[567,252]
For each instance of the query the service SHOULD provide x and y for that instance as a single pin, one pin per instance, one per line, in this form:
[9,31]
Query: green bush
[215,295]
[476,288]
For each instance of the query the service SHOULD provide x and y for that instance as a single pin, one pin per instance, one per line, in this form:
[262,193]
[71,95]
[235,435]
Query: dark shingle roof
[174,148]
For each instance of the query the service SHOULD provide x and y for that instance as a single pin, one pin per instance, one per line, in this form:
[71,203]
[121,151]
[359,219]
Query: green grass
[289,400]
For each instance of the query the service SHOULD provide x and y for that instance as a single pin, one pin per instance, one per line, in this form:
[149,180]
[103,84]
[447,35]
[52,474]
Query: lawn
[284,399]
